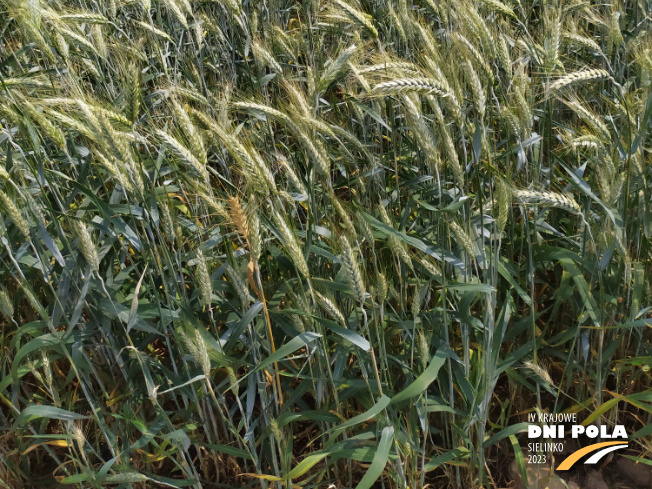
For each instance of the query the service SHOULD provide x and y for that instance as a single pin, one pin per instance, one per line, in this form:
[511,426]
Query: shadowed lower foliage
[288,244]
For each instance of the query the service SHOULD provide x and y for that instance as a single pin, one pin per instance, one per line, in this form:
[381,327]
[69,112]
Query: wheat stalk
[473,51]
[86,245]
[398,247]
[499,6]
[583,41]
[590,118]
[168,222]
[291,244]
[265,57]
[406,85]
[353,274]
[183,153]
[239,285]
[578,77]
[449,145]
[203,279]
[465,240]
[6,305]
[390,66]
[85,18]
[329,306]
[336,67]
[14,214]
[355,15]
[479,97]
[552,199]
[503,54]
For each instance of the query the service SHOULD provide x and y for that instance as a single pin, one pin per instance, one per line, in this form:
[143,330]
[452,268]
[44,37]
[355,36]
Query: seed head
[86,245]
[14,214]
[579,76]
[6,306]
[203,280]
[549,198]
[353,274]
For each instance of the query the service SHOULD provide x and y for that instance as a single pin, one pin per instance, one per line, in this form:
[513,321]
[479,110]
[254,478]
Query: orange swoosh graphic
[574,457]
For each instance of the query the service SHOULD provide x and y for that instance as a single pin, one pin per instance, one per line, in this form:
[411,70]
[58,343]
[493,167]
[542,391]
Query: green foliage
[290,243]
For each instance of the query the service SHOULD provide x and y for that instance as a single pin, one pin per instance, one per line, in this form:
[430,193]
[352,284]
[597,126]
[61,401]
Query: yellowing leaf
[54,443]
[270,478]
